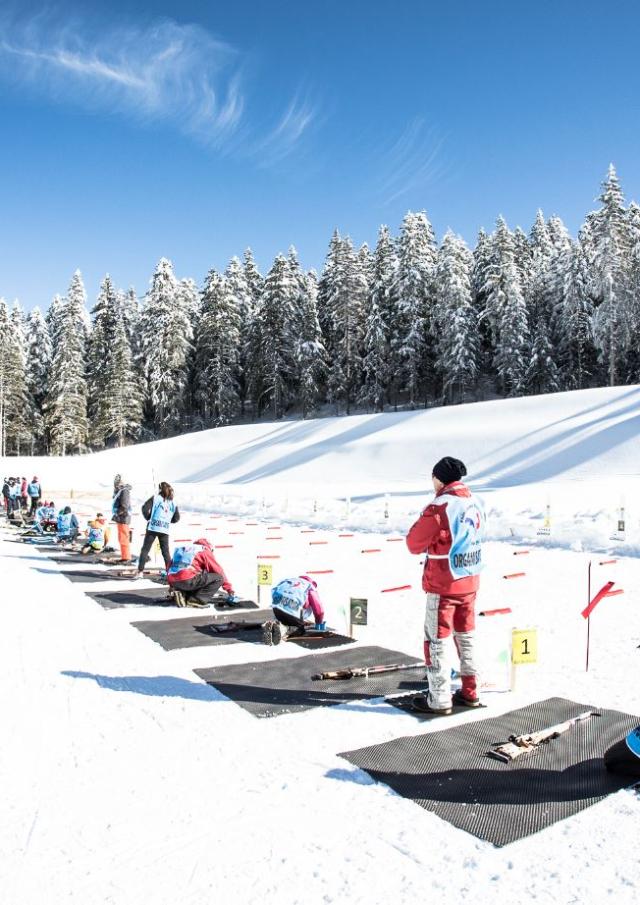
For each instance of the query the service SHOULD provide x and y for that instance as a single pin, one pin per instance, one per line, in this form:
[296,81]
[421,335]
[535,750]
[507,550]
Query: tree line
[409,323]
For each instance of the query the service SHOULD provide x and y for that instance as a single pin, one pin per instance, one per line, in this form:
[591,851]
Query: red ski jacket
[203,561]
[431,535]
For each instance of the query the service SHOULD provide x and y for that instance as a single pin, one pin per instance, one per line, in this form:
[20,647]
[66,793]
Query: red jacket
[431,535]
[203,561]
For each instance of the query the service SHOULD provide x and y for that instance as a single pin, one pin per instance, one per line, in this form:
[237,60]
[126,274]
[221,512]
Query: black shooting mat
[111,574]
[196,631]
[113,600]
[403,702]
[275,687]
[320,642]
[448,772]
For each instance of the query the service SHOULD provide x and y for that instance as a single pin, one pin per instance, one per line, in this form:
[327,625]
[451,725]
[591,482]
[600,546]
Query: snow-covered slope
[583,434]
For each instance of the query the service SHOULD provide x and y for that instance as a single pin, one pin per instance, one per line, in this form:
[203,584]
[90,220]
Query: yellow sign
[524,645]
[265,574]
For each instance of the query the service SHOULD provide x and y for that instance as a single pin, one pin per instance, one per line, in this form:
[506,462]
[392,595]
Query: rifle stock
[353,672]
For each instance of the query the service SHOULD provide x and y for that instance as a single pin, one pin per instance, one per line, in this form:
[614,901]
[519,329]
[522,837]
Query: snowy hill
[306,469]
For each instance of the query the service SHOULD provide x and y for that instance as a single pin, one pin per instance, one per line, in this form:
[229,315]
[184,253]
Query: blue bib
[290,595]
[467,526]
[161,514]
[96,536]
[633,741]
[183,557]
[64,523]
[33,489]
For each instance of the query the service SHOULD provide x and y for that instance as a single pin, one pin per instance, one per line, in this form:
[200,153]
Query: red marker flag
[605,591]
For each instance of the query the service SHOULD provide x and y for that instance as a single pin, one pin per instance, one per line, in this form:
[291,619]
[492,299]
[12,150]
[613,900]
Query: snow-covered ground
[127,779]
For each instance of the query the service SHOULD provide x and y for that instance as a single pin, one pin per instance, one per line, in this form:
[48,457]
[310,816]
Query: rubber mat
[403,702]
[276,687]
[195,631]
[321,642]
[112,600]
[87,575]
[450,773]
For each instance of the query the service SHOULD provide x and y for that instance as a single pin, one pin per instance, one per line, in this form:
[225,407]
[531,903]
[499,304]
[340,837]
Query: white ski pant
[446,615]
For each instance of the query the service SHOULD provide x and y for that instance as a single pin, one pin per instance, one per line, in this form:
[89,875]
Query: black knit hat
[449,469]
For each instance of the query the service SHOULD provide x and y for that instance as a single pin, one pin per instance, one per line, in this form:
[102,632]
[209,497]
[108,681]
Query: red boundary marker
[504,609]
[607,562]
[274,528]
[605,591]
[307,531]
[319,572]
[345,535]
[372,550]
[515,575]
[315,543]
[267,538]
[521,552]
[224,546]
[267,556]
[402,587]
[394,540]
[182,540]
[236,532]
[250,524]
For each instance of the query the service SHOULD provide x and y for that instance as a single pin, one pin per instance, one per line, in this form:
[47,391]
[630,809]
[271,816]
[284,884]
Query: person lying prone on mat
[67,527]
[296,601]
[195,575]
[97,535]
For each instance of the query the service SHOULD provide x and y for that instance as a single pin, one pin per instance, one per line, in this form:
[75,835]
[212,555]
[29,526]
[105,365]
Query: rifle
[526,744]
[354,672]
[219,628]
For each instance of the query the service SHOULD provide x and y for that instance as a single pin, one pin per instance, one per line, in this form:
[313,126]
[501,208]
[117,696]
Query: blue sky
[192,130]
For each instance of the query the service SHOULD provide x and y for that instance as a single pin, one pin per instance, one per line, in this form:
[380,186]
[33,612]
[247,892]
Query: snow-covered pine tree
[610,271]
[542,374]
[455,319]
[245,302]
[53,319]
[38,350]
[115,397]
[575,319]
[632,363]
[482,258]
[506,313]
[253,277]
[165,335]
[121,416]
[16,406]
[347,289]
[77,296]
[66,402]
[275,364]
[417,257]
[311,353]
[380,325]
[325,286]
[217,352]
[130,311]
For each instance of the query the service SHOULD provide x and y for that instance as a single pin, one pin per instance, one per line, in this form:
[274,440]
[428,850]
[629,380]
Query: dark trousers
[147,543]
[288,619]
[35,502]
[204,586]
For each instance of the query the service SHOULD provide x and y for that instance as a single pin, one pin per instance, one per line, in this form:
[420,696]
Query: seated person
[45,519]
[67,527]
[295,602]
[97,536]
[195,576]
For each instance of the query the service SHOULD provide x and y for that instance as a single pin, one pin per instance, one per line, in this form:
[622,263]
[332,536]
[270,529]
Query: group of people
[20,495]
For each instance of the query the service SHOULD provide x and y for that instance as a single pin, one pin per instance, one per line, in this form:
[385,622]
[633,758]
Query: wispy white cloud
[287,134]
[167,71]
[411,162]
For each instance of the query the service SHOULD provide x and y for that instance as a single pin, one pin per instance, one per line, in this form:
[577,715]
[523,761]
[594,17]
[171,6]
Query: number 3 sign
[265,574]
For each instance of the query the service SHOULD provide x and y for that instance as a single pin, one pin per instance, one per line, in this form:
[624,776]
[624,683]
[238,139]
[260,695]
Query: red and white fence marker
[515,575]
[401,587]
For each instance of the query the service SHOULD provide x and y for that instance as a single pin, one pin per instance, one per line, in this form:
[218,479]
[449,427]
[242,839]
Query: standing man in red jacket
[450,532]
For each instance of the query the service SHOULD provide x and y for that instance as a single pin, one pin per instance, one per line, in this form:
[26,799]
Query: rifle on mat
[219,628]
[526,744]
[355,672]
